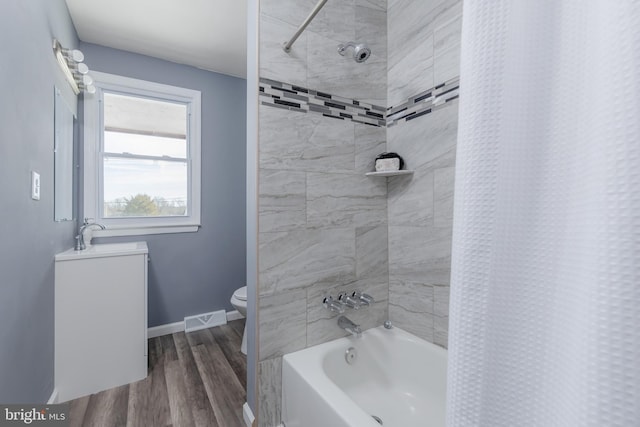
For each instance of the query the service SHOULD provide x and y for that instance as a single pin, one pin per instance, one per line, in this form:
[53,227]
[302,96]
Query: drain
[378,419]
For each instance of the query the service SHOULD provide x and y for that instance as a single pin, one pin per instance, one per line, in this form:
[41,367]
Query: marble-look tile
[335,20]
[322,324]
[441,331]
[445,160]
[292,12]
[282,203]
[447,35]
[269,392]
[300,258]
[420,254]
[411,22]
[371,28]
[412,74]
[410,199]
[305,141]
[374,4]
[330,72]
[372,253]
[412,296]
[275,63]
[345,200]
[424,139]
[283,319]
[443,197]
[441,300]
[411,307]
[446,65]
[370,141]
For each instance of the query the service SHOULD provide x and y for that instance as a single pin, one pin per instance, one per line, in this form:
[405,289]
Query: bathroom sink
[104,250]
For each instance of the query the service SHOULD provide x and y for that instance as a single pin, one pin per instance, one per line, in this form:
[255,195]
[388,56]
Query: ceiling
[208,34]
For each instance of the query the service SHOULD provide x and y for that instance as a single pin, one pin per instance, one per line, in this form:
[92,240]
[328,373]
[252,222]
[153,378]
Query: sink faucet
[349,326]
[80,245]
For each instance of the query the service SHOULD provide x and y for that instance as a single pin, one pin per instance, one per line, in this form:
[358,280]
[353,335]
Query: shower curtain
[545,287]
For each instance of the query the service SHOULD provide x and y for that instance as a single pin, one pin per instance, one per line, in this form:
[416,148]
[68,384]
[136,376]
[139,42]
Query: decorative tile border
[295,98]
[424,103]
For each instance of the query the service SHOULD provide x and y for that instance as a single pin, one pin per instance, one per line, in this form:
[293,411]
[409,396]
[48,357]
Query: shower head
[361,51]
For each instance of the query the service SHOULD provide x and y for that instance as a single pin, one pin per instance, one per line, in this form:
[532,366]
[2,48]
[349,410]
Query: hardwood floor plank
[229,343]
[154,352]
[180,410]
[238,326]
[158,412]
[77,410]
[139,411]
[224,390]
[168,348]
[108,408]
[197,398]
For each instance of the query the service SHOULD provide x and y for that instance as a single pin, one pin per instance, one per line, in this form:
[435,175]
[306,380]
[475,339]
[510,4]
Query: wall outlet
[35,185]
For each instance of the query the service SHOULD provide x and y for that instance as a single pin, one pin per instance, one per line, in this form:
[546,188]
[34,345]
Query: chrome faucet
[363,299]
[80,246]
[333,305]
[349,326]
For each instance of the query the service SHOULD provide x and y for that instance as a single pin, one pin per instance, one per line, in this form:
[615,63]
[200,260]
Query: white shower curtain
[545,287]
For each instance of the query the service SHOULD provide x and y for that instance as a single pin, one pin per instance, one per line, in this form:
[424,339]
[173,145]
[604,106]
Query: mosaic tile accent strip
[424,103]
[295,98]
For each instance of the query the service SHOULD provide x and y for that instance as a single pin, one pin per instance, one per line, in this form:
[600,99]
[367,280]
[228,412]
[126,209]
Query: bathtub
[396,377]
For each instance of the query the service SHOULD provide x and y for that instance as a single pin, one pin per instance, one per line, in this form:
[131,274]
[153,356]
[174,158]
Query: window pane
[118,142]
[145,115]
[144,188]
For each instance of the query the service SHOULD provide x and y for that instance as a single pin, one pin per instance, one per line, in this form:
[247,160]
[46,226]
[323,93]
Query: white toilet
[239,302]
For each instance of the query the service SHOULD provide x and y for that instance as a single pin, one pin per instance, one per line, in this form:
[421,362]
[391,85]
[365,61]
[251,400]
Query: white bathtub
[397,377]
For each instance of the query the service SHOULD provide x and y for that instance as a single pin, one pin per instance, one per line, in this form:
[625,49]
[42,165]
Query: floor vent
[205,320]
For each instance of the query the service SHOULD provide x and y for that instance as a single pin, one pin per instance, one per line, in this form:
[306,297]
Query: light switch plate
[35,185]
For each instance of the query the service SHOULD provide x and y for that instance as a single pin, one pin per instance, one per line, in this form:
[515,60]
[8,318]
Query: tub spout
[349,326]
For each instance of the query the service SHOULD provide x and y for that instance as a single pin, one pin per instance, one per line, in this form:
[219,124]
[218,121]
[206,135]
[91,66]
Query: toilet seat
[241,294]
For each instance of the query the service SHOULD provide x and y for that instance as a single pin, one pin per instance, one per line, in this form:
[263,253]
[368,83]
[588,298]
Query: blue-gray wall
[29,237]
[192,273]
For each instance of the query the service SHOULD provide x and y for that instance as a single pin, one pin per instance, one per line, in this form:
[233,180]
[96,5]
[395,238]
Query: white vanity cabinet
[100,318]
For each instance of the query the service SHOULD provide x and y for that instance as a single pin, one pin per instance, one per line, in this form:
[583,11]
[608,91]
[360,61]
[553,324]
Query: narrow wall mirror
[64,122]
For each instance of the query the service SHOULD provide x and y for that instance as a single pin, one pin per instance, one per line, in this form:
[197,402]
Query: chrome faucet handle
[349,301]
[333,305]
[365,299]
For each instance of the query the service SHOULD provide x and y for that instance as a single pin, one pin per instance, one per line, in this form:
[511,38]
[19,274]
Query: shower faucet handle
[365,299]
[349,300]
[333,305]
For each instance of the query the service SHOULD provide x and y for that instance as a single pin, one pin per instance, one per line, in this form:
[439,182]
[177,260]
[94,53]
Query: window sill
[143,231]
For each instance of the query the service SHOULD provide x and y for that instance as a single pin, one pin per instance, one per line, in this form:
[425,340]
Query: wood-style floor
[195,379]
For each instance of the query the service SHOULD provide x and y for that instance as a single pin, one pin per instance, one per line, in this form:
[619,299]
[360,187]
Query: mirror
[64,123]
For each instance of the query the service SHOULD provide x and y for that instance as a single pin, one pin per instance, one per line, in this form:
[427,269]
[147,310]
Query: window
[142,156]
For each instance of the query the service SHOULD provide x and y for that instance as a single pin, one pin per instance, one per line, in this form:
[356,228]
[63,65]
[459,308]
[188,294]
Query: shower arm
[287,45]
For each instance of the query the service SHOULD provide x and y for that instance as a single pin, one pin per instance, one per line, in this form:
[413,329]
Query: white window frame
[93,156]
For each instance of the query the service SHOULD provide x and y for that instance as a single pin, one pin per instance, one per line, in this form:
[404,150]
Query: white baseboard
[247,414]
[54,397]
[169,328]
[172,328]
[234,315]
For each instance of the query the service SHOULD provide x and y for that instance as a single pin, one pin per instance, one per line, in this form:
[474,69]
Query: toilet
[239,302]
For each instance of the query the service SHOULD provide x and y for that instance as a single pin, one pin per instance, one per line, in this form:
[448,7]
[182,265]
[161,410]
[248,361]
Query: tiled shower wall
[322,223]
[424,51]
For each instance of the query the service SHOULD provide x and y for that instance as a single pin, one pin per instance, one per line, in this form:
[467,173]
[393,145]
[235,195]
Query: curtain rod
[287,45]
